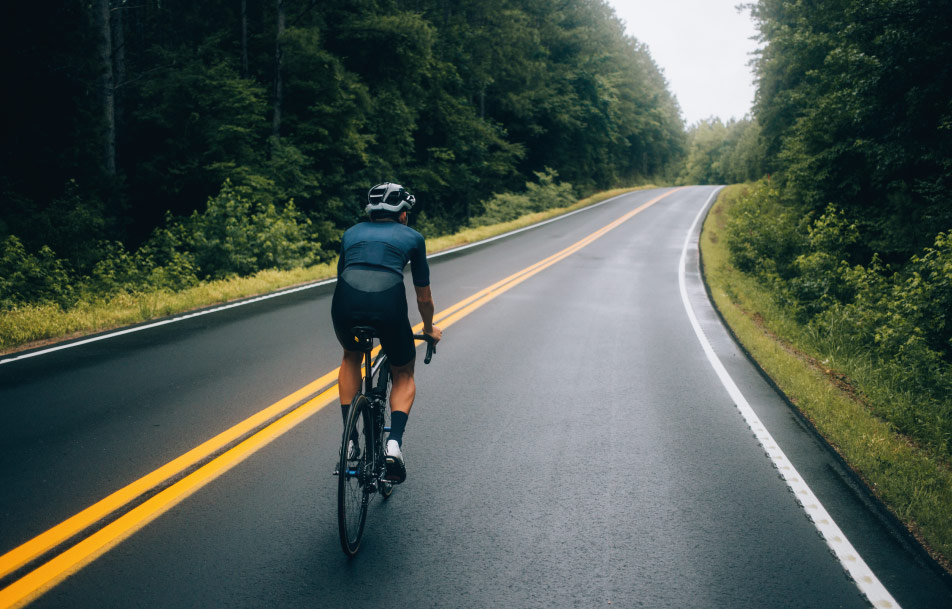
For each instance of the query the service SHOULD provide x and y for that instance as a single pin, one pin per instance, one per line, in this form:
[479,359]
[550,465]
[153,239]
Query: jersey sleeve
[340,259]
[419,268]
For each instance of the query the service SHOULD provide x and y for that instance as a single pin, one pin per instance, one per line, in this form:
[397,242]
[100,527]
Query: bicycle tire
[354,475]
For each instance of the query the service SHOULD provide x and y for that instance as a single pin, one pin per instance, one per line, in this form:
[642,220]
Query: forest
[853,108]
[152,144]
[850,223]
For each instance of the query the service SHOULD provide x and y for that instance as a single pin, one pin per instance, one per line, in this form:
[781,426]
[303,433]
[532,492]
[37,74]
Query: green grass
[833,391]
[30,326]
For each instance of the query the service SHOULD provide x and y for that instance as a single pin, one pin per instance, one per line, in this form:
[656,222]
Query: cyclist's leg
[349,378]
[398,342]
[403,392]
[344,308]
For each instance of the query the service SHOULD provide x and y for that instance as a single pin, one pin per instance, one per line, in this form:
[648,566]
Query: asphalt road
[571,446]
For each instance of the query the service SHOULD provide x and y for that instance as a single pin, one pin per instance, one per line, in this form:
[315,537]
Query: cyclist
[370,292]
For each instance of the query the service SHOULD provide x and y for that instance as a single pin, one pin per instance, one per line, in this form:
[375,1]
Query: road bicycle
[362,468]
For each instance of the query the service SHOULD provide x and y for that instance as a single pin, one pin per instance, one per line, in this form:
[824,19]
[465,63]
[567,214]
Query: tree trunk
[244,38]
[101,19]
[278,92]
[119,62]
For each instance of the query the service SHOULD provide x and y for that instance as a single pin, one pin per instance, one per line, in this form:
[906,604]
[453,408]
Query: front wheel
[356,475]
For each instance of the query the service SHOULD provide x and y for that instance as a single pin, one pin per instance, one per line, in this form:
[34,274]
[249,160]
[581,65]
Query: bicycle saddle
[364,337]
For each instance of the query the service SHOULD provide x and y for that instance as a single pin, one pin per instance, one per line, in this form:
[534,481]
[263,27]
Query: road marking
[84,551]
[460,248]
[844,551]
[163,322]
[44,542]
[63,565]
[240,303]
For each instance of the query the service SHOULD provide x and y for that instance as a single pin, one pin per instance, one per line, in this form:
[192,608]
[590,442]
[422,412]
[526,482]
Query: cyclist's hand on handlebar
[436,334]
[432,337]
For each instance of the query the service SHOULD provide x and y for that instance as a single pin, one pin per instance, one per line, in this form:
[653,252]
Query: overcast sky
[703,46]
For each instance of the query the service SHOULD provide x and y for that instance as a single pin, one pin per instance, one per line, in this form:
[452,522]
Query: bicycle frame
[373,369]
[367,468]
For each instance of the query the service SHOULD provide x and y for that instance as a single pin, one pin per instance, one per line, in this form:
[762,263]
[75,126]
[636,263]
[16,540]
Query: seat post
[364,336]
[368,376]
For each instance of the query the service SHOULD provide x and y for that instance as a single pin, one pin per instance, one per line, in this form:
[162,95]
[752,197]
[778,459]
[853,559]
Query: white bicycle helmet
[389,197]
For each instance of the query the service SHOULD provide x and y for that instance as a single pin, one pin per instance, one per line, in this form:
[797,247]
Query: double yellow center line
[233,446]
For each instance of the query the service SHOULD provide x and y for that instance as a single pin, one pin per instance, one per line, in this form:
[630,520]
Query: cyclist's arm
[340,258]
[424,299]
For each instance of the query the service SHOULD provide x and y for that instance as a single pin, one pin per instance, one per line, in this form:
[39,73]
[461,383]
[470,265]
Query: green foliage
[462,104]
[903,320]
[852,236]
[196,122]
[707,153]
[72,226]
[908,311]
[26,277]
[539,196]
[457,101]
[860,417]
[723,154]
[118,270]
[235,236]
[854,108]
[232,236]
[762,235]
[820,275]
[900,321]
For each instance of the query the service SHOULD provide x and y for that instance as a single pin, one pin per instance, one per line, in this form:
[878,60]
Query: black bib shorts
[385,310]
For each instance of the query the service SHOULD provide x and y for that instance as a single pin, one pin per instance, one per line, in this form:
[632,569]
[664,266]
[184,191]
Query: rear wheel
[356,475]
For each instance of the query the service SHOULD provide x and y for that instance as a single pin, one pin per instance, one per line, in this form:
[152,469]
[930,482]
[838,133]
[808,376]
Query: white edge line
[281,292]
[844,551]
[165,321]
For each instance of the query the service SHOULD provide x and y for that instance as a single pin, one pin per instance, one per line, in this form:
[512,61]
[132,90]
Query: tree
[107,87]
[278,66]
[853,104]
[135,109]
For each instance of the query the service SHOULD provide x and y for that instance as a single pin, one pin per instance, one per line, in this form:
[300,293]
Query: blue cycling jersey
[384,246]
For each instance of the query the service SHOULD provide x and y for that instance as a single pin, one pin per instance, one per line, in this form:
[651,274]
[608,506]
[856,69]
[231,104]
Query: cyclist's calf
[349,378]
[404,388]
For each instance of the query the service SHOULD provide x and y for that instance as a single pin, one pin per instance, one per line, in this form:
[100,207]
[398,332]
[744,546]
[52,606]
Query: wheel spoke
[353,483]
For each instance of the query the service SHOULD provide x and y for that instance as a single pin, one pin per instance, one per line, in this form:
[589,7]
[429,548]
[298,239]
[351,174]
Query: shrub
[763,235]
[539,196]
[432,226]
[235,236]
[116,270]
[177,274]
[27,278]
[894,326]
[819,278]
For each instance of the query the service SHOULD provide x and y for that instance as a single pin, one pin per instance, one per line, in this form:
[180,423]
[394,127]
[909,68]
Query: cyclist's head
[388,200]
